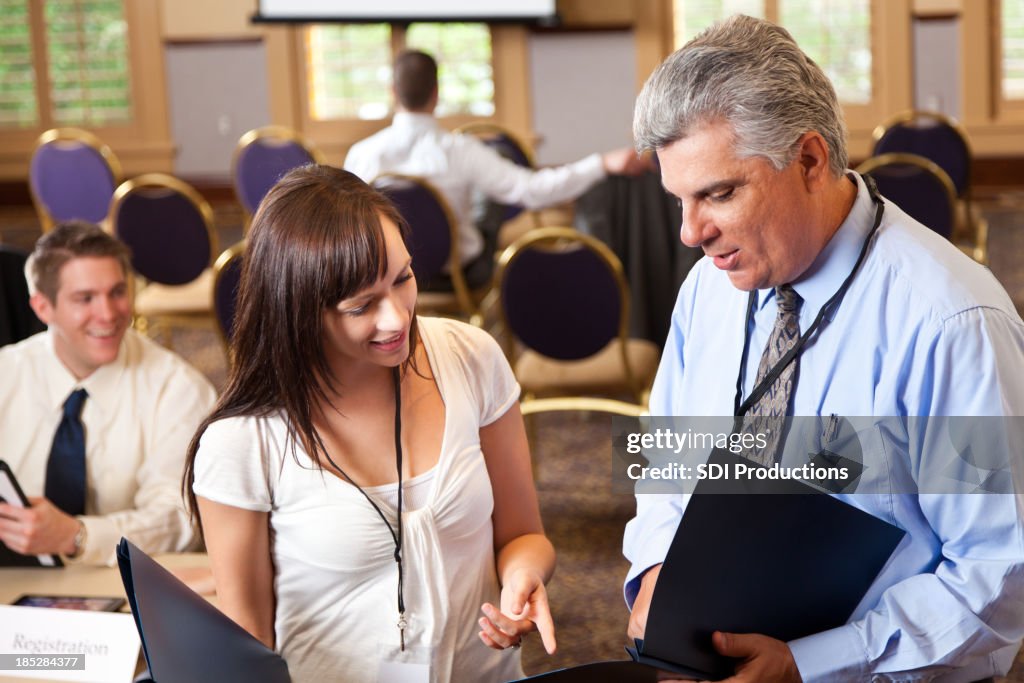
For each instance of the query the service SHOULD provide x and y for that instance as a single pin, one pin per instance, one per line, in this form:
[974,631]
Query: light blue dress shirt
[922,331]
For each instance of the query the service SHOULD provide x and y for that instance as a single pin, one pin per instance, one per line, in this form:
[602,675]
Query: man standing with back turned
[750,138]
[94,417]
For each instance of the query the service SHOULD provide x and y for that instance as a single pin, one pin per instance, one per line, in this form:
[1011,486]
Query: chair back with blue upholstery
[918,186]
[933,136]
[227,274]
[72,175]
[563,296]
[168,226]
[563,302]
[262,156]
[433,232]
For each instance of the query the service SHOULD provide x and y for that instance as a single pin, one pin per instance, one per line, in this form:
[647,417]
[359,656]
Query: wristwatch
[80,536]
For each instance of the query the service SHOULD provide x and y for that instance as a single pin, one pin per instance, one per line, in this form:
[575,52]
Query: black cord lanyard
[396,534]
[768,380]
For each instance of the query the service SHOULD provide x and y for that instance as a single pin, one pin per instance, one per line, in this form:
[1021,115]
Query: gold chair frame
[891,158]
[557,237]
[278,133]
[533,406]
[168,182]
[226,257]
[463,297]
[84,137]
[485,129]
[911,115]
[976,227]
[979,249]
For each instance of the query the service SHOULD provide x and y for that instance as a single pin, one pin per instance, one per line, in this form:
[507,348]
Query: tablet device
[78,602]
[10,492]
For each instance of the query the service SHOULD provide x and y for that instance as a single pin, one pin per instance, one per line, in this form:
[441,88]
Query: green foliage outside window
[87,70]
[1013,49]
[87,57]
[834,33]
[18,105]
[463,54]
[350,68]
[349,71]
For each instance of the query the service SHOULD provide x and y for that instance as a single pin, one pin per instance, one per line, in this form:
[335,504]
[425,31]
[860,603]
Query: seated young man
[94,418]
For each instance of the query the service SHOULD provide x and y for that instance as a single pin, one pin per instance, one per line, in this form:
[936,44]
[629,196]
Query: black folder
[775,557]
[186,639]
[10,492]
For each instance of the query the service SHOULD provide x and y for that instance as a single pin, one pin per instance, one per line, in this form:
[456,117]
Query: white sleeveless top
[335,576]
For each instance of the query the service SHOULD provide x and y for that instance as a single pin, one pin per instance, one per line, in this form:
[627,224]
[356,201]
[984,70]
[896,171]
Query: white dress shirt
[139,418]
[416,144]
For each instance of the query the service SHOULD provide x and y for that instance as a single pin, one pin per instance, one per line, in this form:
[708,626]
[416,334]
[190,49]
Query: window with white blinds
[87,62]
[693,16]
[1012,29]
[18,105]
[349,71]
[349,67]
[64,62]
[834,33]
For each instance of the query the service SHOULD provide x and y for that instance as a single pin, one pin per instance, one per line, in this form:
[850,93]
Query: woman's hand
[524,607]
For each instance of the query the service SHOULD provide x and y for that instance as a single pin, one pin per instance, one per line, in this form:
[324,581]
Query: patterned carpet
[583,518]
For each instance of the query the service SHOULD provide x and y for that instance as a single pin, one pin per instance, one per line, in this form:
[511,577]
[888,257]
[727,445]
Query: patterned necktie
[774,403]
[65,471]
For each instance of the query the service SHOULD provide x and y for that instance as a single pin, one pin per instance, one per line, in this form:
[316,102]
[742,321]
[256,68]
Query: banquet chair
[261,157]
[564,301]
[433,243]
[918,186]
[72,174]
[227,274]
[510,146]
[502,140]
[168,226]
[944,141]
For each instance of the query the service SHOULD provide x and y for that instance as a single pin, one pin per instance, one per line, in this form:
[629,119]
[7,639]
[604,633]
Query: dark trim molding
[993,173]
[16,192]
[215,41]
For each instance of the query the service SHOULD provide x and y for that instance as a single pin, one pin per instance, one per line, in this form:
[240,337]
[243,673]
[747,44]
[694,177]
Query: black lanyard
[396,534]
[768,380]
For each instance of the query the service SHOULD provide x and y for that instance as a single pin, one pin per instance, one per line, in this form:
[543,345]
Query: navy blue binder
[779,558]
[186,639]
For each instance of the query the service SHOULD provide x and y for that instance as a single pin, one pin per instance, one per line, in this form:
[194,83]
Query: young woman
[364,484]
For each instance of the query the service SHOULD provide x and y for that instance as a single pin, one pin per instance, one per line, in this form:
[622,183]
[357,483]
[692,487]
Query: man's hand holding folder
[762,659]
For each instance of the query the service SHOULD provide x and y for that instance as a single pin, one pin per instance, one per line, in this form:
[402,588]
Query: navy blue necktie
[65,471]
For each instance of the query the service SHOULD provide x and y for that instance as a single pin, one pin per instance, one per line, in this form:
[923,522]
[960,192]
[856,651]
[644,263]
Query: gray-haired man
[750,138]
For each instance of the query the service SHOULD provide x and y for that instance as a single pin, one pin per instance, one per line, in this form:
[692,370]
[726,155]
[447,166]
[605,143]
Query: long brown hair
[316,239]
